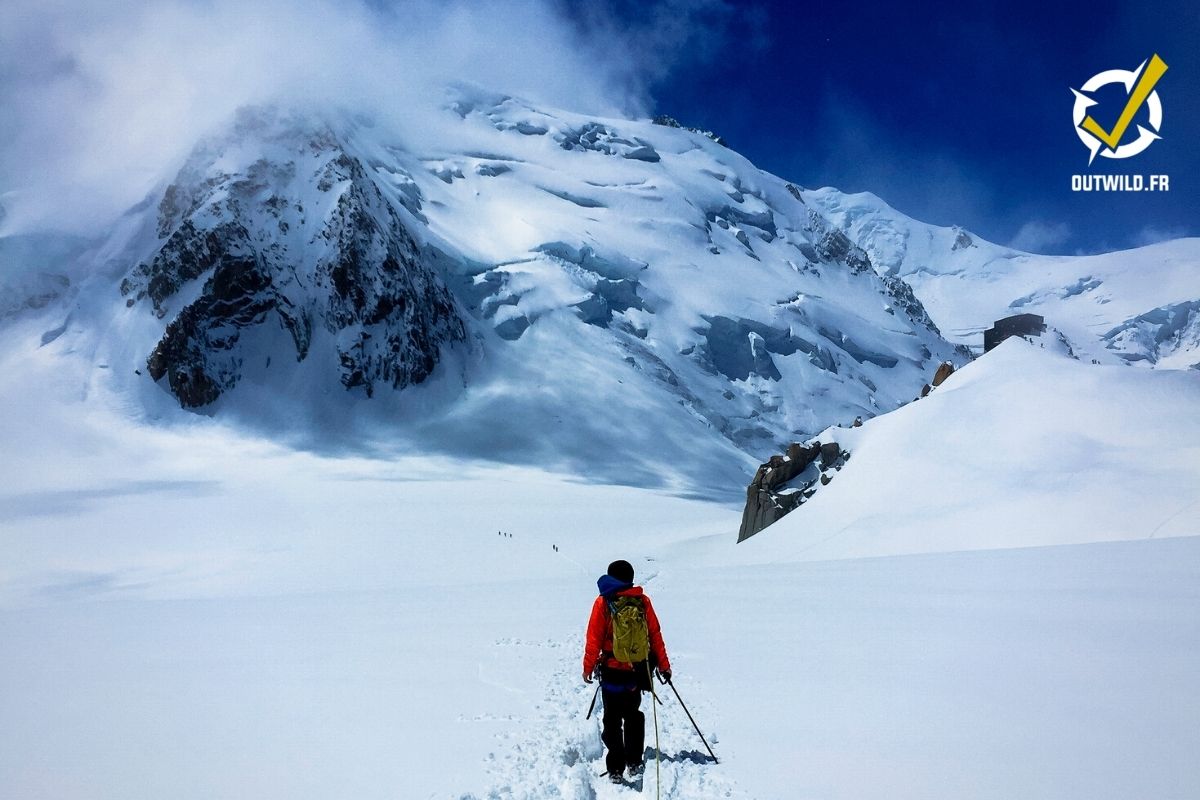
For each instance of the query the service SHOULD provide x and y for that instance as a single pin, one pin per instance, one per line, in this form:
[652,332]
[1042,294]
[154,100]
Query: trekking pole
[657,751]
[592,707]
[694,725]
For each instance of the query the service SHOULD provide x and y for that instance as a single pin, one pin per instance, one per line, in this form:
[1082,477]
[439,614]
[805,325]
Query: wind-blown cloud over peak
[96,102]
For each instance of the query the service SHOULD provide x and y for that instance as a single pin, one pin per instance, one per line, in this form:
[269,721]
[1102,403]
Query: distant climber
[624,644]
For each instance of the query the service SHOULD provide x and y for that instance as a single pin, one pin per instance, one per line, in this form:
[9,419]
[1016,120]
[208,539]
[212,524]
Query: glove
[664,675]
[587,677]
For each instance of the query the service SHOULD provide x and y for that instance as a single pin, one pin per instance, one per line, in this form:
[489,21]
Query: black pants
[624,730]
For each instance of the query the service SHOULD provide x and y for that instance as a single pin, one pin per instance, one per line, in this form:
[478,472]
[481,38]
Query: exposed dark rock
[671,122]
[1063,341]
[367,286]
[188,253]
[902,297]
[962,241]
[764,505]
[944,370]
[785,482]
[836,246]
[830,452]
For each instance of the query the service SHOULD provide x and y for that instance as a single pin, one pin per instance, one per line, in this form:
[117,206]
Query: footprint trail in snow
[558,754]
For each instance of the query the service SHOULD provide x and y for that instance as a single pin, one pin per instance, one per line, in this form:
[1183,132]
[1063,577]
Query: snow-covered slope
[1022,447]
[1134,305]
[192,613]
[631,301]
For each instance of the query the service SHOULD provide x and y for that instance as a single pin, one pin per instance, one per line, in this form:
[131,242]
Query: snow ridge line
[561,755]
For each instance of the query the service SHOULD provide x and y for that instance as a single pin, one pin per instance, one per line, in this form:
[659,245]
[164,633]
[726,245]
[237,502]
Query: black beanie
[621,570]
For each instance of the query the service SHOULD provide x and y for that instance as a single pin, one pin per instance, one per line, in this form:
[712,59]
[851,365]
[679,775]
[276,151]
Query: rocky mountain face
[296,237]
[630,300]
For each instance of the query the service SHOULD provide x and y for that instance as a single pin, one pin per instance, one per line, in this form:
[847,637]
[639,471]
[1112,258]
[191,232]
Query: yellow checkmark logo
[1145,85]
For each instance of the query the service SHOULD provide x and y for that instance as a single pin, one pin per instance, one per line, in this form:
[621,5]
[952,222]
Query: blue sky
[953,114]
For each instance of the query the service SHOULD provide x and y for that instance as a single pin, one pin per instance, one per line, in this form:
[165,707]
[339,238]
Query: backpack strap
[610,604]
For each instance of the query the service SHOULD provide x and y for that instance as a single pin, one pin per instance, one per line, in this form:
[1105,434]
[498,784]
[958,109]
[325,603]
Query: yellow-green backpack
[631,635]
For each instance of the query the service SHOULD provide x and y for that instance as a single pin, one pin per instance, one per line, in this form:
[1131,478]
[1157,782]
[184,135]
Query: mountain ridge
[622,299]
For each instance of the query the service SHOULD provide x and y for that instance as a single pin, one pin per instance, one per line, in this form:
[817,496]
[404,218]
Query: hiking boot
[615,777]
[637,769]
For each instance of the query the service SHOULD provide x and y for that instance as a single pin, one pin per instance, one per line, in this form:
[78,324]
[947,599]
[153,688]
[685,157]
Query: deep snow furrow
[559,753]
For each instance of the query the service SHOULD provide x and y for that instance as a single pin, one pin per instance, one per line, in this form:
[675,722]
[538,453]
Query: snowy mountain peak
[279,227]
[617,296]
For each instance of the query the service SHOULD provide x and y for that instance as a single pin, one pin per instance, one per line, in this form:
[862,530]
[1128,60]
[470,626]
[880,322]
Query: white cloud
[1152,234]
[98,100]
[1036,236]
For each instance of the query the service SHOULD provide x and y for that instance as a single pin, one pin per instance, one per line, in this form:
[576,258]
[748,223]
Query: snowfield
[194,613]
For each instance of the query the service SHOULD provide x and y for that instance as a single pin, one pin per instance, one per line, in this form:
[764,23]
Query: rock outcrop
[671,122]
[302,242]
[786,481]
[944,370]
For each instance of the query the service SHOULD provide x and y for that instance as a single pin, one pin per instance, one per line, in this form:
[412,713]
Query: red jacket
[599,635]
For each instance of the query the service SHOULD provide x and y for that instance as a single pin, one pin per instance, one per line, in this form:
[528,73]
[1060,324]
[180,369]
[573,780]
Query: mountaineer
[624,644]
